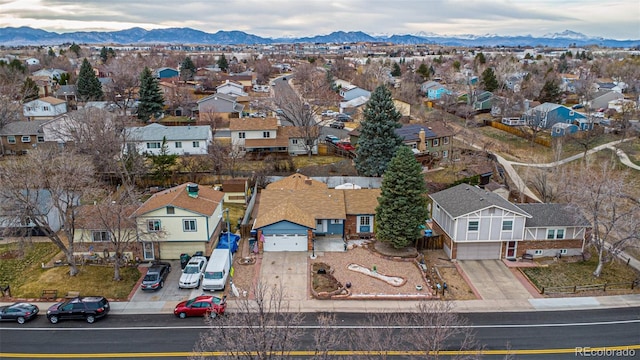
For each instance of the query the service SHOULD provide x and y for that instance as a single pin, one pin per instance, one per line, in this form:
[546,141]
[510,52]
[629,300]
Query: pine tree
[396,70]
[163,162]
[489,80]
[29,90]
[423,70]
[402,206]
[187,69]
[88,85]
[550,92]
[151,100]
[222,63]
[75,48]
[378,141]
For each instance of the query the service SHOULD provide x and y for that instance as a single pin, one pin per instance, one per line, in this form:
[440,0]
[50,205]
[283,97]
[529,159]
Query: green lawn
[21,268]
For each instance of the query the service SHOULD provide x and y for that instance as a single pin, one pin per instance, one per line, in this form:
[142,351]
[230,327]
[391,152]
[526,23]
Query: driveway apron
[493,280]
[287,269]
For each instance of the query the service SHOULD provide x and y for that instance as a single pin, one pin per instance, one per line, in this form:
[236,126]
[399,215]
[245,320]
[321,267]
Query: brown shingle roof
[313,203]
[297,182]
[101,217]
[361,201]
[285,211]
[247,124]
[53,101]
[234,185]
[205,204]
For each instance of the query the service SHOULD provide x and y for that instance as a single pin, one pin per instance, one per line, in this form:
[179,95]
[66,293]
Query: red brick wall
[351,227]
[524,246]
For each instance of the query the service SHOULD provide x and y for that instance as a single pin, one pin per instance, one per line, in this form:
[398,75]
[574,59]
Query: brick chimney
[422,145]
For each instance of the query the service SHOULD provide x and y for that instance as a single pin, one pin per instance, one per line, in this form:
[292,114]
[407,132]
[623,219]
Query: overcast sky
[616,19]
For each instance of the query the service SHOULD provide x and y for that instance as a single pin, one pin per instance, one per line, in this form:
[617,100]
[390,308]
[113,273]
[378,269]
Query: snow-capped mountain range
[29,36]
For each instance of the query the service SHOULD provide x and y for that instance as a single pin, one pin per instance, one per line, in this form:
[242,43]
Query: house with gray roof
[600,99]
[18,137]
[477,224]
[223,105]
[547,114]
[179,140]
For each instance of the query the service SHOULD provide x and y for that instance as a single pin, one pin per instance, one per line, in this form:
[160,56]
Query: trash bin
[184,259]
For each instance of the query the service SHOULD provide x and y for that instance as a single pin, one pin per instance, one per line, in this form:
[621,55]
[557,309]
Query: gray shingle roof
[172,133]
[463,199]
[543,215]
[33,127]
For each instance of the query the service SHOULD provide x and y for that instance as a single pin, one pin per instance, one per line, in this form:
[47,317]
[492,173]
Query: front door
[511,249]
[148,251]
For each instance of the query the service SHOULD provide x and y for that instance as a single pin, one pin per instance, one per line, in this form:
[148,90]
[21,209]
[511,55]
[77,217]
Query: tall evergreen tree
[396,70]
[29,90]
[187,69]
[402,205]
[163,162]
[75,48]
[550,92]
[223,64]
[378,141]
[151,100]
[489,80]
[88,85]
[423,70]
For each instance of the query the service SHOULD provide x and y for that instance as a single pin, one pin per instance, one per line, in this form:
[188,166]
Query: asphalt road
[540,335]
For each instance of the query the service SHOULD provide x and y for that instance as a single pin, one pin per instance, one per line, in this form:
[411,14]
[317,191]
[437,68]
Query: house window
[154,145]
[45,108]
[445,154]
[555,234]
[100,236]
[507,225]
[563,251]
[365,220]
[537,252]
[40,139]
[26,139]
[445,140]
[571,113]
[196,144]
[336,221]
[178,144]
[189,225]
[242,135]
[294,141]
[473,225]
[153,225]
[11,139]
[414,146]
[171,210]
[436,142]
[266,134]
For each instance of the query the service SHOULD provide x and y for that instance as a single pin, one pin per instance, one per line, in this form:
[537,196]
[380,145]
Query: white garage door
[172,250]
[479,251]
[285,243]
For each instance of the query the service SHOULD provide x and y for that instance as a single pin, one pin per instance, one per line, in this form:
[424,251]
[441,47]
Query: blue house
[562,129]
[548,114]
[166,72]
[434,90]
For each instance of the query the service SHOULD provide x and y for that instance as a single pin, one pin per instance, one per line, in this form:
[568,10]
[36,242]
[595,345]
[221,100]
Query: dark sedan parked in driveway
[20,312]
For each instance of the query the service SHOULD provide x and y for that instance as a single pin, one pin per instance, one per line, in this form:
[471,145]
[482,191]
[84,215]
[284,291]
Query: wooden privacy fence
[517,132]
[596,287]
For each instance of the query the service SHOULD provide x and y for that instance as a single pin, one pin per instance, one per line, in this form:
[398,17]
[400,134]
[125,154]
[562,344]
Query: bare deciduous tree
[44,188]
[303,118]
[605,198]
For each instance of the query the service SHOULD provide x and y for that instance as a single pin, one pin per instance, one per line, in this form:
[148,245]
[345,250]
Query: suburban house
[99,227]
[67,93]
[600,99]
[433,139]
[548,114]
[231,88]
[13,223]
[483,101]
[297,213]
[563,129]
[235,190]
[351,92]
[19,137]
[180,220]
[353,107]
[166,73]
[179,140]
[54,75]
[403,107]
[478,224]
[434,90]
[44,108]
[256,135]
[222,105]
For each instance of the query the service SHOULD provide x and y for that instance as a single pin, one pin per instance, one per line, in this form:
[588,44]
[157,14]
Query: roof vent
[192,190]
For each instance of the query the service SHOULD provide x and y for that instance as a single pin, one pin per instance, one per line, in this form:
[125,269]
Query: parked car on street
[204,305]
[88,308]
[192,273]
[345,145]
[343,117]
[331,139]
[329,113]
[20,312]
[337,125]
[156,276]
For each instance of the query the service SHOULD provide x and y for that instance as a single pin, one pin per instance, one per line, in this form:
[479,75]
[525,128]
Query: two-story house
[350,92]
[178,140]
[547,114]
[256,135]
[44,108]
[477,224]
[221,105]
[231,88]
[433,90]
[19,137]
[180,220]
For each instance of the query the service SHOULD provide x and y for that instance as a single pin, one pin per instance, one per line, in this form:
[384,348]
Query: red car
[204,305]
[345,146]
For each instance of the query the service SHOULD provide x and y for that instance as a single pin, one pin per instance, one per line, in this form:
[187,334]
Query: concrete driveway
[493,280]
[287,269]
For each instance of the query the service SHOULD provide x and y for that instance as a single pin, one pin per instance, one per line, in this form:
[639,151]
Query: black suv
[155,277]
[88,308]
[337,125]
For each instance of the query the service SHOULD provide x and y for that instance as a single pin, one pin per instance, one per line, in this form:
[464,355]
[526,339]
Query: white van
[217,271]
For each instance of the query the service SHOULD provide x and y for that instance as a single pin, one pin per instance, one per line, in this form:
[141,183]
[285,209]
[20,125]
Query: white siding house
[180,140]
